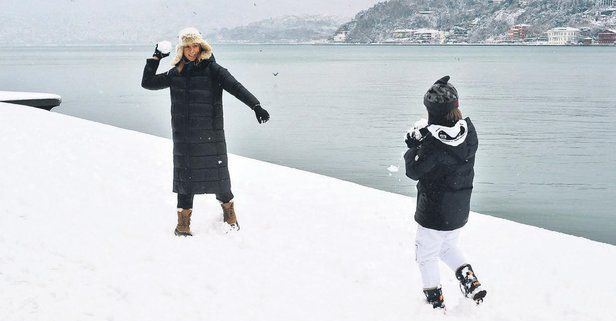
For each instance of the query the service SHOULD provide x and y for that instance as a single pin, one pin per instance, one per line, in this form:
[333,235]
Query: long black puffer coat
[199,147]
[445,173]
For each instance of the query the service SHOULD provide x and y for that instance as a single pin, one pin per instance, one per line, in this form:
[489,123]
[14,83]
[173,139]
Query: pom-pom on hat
[441,98]
[189,36]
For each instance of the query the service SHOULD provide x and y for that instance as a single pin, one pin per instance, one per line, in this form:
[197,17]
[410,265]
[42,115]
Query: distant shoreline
[318,44]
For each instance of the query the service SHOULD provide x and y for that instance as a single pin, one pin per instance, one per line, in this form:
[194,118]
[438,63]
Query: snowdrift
[87,218]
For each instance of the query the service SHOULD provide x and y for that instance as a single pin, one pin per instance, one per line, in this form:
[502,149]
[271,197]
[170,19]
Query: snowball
[164,46]
[414,132]
[392,168]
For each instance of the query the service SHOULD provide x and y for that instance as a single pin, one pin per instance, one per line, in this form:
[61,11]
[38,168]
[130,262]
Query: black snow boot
[469,285]
[435,297]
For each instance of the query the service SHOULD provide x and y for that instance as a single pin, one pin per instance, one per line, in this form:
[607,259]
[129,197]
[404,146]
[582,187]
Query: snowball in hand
[414,132]
[164,47]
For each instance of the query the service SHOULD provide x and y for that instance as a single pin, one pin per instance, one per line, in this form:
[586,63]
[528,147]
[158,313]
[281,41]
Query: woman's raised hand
[162,49]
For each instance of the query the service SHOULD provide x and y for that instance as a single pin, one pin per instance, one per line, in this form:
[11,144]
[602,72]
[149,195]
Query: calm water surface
[545,115]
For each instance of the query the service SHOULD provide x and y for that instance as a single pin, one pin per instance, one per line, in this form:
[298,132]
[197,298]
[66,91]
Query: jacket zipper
[188,130]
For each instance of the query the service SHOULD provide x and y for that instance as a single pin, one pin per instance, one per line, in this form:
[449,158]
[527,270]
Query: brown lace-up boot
[183,227]
[229,217]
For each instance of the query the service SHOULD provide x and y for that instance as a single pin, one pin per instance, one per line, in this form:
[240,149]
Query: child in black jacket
[441,157]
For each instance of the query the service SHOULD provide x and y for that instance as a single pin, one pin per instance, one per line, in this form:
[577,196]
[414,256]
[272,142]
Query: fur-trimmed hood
[189,36]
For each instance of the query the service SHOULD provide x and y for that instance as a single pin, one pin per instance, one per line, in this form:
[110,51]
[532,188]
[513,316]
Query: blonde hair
[454,115]
[180,66]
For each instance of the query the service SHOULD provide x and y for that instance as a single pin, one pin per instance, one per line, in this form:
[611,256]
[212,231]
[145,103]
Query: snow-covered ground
[87,217]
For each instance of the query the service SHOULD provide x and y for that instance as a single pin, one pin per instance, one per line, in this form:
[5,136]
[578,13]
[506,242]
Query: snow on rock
[15,95]
[87,217]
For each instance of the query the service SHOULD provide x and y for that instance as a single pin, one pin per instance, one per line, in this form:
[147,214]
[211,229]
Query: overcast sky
[210,13]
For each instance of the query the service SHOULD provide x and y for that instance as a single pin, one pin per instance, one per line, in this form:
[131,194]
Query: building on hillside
[459,31]
[606,3]
[517,33]
[585,32]
[340,37]
[457,34]
[427,36]
[607,37]
[606,13]
[403,33]
[542,39]
[563,36]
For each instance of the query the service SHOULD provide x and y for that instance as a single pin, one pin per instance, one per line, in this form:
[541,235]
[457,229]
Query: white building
[428,36]
[563,36]
[425,36]
[403,33]
[340,37]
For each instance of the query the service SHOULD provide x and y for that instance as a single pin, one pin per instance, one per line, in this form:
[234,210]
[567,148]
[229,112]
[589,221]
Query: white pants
[432,245]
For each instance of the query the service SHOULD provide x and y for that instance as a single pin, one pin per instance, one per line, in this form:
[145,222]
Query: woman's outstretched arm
[234,87]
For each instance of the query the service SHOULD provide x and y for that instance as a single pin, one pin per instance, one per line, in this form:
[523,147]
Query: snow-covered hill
[36,22]
[479,20]
[285,29]
[87,216]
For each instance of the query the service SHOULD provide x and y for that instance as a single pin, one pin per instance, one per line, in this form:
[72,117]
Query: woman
[199,149]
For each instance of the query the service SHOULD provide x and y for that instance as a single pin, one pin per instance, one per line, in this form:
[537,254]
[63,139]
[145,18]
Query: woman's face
[191,51]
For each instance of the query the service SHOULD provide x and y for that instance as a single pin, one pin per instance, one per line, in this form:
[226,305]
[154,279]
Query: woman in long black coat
[199,148]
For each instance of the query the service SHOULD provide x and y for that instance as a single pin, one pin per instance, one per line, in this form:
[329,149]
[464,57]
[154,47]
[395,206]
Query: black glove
[262,114]
[424,133]
[412,142]
[159,54]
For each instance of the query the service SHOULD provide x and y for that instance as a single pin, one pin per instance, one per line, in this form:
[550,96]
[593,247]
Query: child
[441,157]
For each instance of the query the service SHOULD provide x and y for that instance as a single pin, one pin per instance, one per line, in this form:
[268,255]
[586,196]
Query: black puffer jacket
[445,173]
[199,147]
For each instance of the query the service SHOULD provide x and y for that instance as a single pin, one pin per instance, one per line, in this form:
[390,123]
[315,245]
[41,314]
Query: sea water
[545,115]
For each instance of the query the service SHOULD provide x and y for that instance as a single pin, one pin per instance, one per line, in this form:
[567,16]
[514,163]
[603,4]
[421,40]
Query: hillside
[140,22]
[479,20]
[87,219]
[287,29]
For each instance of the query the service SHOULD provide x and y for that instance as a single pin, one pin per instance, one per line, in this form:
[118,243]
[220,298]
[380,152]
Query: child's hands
[411,141]
[419,130]
[417,133]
